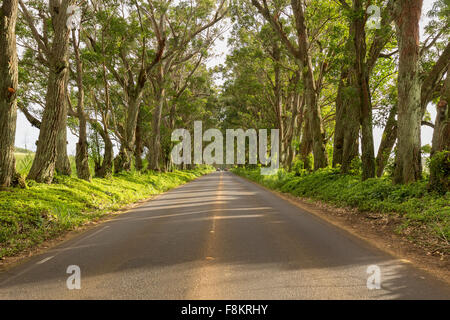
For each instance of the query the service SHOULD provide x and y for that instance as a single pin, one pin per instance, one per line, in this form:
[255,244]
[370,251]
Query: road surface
[218,237]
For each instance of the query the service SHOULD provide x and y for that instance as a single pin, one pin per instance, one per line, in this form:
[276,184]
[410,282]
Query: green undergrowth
[40,212]
[414,204]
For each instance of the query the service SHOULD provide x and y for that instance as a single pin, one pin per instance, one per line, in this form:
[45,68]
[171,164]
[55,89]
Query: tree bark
[155,152]
[353,103]
[278,103]
[139,147]
[306,145]
[441,134]
[428,86]
[387,142]
[8,88]
[43,167]
[440,179]
[349,119]
[338,143]
[350,149]
[122,161]
[313,110]
[131,127]
[408,167]
[106,168]
[294,128]
[133,89]
[362,78]
[107,164]
[81,157]
[62,165]
[349,110]
[303,60]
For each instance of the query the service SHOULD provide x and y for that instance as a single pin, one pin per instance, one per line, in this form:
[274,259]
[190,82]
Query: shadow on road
[223,224]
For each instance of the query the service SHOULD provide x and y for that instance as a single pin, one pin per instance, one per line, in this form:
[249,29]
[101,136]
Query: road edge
[411,257]
[7,263]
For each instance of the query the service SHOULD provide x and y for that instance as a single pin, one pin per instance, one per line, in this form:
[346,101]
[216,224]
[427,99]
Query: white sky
[26,135]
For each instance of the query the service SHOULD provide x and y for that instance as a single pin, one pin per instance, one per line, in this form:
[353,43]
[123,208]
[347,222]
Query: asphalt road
[218,237]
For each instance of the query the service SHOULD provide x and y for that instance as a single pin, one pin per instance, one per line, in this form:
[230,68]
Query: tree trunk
[315,120]
[8,88]
[81,157]
[155,152]
[346,140]
[338,144]
[350,122]
[122,162]
[130,131]
[387,142]
[317,133]
[362,77]
[303,60]
[106,168]
[441,136]
[428,86]
[440,175]
[350,149]
[107,164]
[351,110]
[62,159]
[43,167]
[408,167]
[294,129]
[353,103]
[96,157]
[306,145]
[278,103]
[139,148]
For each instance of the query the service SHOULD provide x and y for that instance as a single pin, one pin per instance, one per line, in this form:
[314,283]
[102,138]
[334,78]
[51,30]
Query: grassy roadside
[423,216]
[40,212]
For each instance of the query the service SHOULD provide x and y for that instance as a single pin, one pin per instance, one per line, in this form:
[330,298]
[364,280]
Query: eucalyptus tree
[408,159]
[433,58]
[53,48]
[302,53]
[187,28]
[263,85]
[81,156]
[191,97]
[430,82]
[8,89]
[104,99]
[90,88]
[147,41]
[181,91]
[440,170]
[298,83]
[131,50]
[441,133]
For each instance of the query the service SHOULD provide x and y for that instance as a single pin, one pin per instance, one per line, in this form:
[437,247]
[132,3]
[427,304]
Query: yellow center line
[204,275]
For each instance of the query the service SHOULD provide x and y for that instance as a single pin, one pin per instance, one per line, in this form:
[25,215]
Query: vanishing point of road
[218,237]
